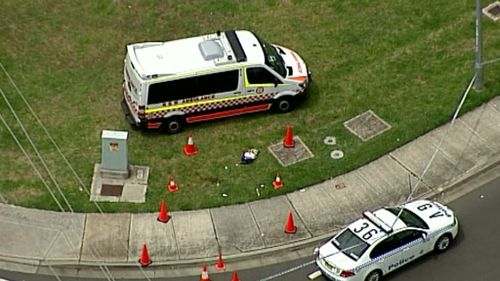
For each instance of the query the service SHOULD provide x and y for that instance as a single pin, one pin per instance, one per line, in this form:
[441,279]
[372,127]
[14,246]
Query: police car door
[261,85]
[398,249]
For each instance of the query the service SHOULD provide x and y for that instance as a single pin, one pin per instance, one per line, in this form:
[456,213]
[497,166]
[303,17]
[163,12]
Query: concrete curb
[177,268]
[282,250]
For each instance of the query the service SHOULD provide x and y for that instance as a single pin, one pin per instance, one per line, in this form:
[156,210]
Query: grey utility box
[114,152]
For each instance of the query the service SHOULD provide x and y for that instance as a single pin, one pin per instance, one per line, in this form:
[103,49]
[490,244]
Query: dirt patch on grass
[15,166]
[22,193]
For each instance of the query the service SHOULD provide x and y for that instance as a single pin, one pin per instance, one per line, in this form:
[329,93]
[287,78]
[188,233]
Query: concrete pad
[461,145]
[195,234]
[389,181]
[16,240]
[352,198]
[317,208]
[106,237]
[271,216]
[134,193]
[485,121]
[236,229]
[415,156]
[21,229]
[159,238]
[134,186]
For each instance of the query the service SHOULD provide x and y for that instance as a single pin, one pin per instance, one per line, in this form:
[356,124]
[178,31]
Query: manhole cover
[111,190]
[366,125]
[289,156]
[493,11]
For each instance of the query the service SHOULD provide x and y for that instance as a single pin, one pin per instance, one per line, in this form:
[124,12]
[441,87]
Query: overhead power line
[42,160]
[103,268]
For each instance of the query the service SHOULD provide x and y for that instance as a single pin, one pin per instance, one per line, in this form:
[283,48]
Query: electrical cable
[436,150]
[31,163]
[41,177]
[44,164]
[60,152]
[54,143]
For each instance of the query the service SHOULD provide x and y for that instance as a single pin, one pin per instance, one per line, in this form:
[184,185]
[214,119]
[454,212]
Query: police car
[386,239]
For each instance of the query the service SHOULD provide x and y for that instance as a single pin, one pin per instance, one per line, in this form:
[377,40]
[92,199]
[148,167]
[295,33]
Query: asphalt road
[473,256]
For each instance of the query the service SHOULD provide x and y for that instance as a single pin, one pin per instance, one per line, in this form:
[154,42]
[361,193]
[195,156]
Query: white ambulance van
[169,84]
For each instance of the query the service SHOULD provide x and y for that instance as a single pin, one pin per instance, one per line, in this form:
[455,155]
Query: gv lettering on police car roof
[426,206]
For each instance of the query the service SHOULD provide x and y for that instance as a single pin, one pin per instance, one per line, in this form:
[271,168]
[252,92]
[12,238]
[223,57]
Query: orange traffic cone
[172,186]
[277,183]
[204,273]
[190,148]
[163,216]
[288,142]
[220,264]
[145,260]
[235,276]
[290,227]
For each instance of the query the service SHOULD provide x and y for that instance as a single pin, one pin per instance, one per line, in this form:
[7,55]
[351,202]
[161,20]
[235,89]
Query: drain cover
[367,125]
[336,154]
[329,140]
[493,11]
[111,190]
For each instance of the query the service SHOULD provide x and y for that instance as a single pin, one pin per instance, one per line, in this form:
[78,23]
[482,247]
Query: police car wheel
[443,243]
[283,105]
[374,276]
[172,125]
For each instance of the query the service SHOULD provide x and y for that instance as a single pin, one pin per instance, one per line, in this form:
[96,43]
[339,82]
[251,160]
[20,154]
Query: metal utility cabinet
[114,153]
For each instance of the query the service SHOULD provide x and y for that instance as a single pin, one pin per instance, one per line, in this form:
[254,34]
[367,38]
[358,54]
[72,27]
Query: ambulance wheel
[375,275]
[172,125]
[443,243]
[283,105]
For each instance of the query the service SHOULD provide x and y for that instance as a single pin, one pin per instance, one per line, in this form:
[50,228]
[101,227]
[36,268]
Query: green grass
[408,61]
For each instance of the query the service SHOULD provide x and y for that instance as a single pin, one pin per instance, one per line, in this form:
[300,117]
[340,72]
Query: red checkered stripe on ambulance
[210,106]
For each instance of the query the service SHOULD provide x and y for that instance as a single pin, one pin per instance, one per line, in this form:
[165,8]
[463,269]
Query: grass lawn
[408,61]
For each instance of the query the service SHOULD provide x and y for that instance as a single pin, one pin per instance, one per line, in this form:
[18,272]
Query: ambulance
[169,84]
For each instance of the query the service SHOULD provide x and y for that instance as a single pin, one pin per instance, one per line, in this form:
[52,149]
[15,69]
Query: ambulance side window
[192,87]
[171,90]
[217,82]
[260,75]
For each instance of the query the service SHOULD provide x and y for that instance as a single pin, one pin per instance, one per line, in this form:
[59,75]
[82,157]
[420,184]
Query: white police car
[380,242]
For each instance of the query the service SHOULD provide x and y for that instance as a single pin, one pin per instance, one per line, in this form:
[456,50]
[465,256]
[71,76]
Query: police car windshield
[408,217]
[272,58]
[350,244]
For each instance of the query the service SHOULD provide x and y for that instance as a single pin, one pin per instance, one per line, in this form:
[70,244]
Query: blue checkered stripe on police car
[397,250]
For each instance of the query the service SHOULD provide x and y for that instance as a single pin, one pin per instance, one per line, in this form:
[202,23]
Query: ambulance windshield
[272,58]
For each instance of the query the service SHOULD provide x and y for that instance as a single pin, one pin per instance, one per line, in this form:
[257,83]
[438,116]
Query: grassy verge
[406,61]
